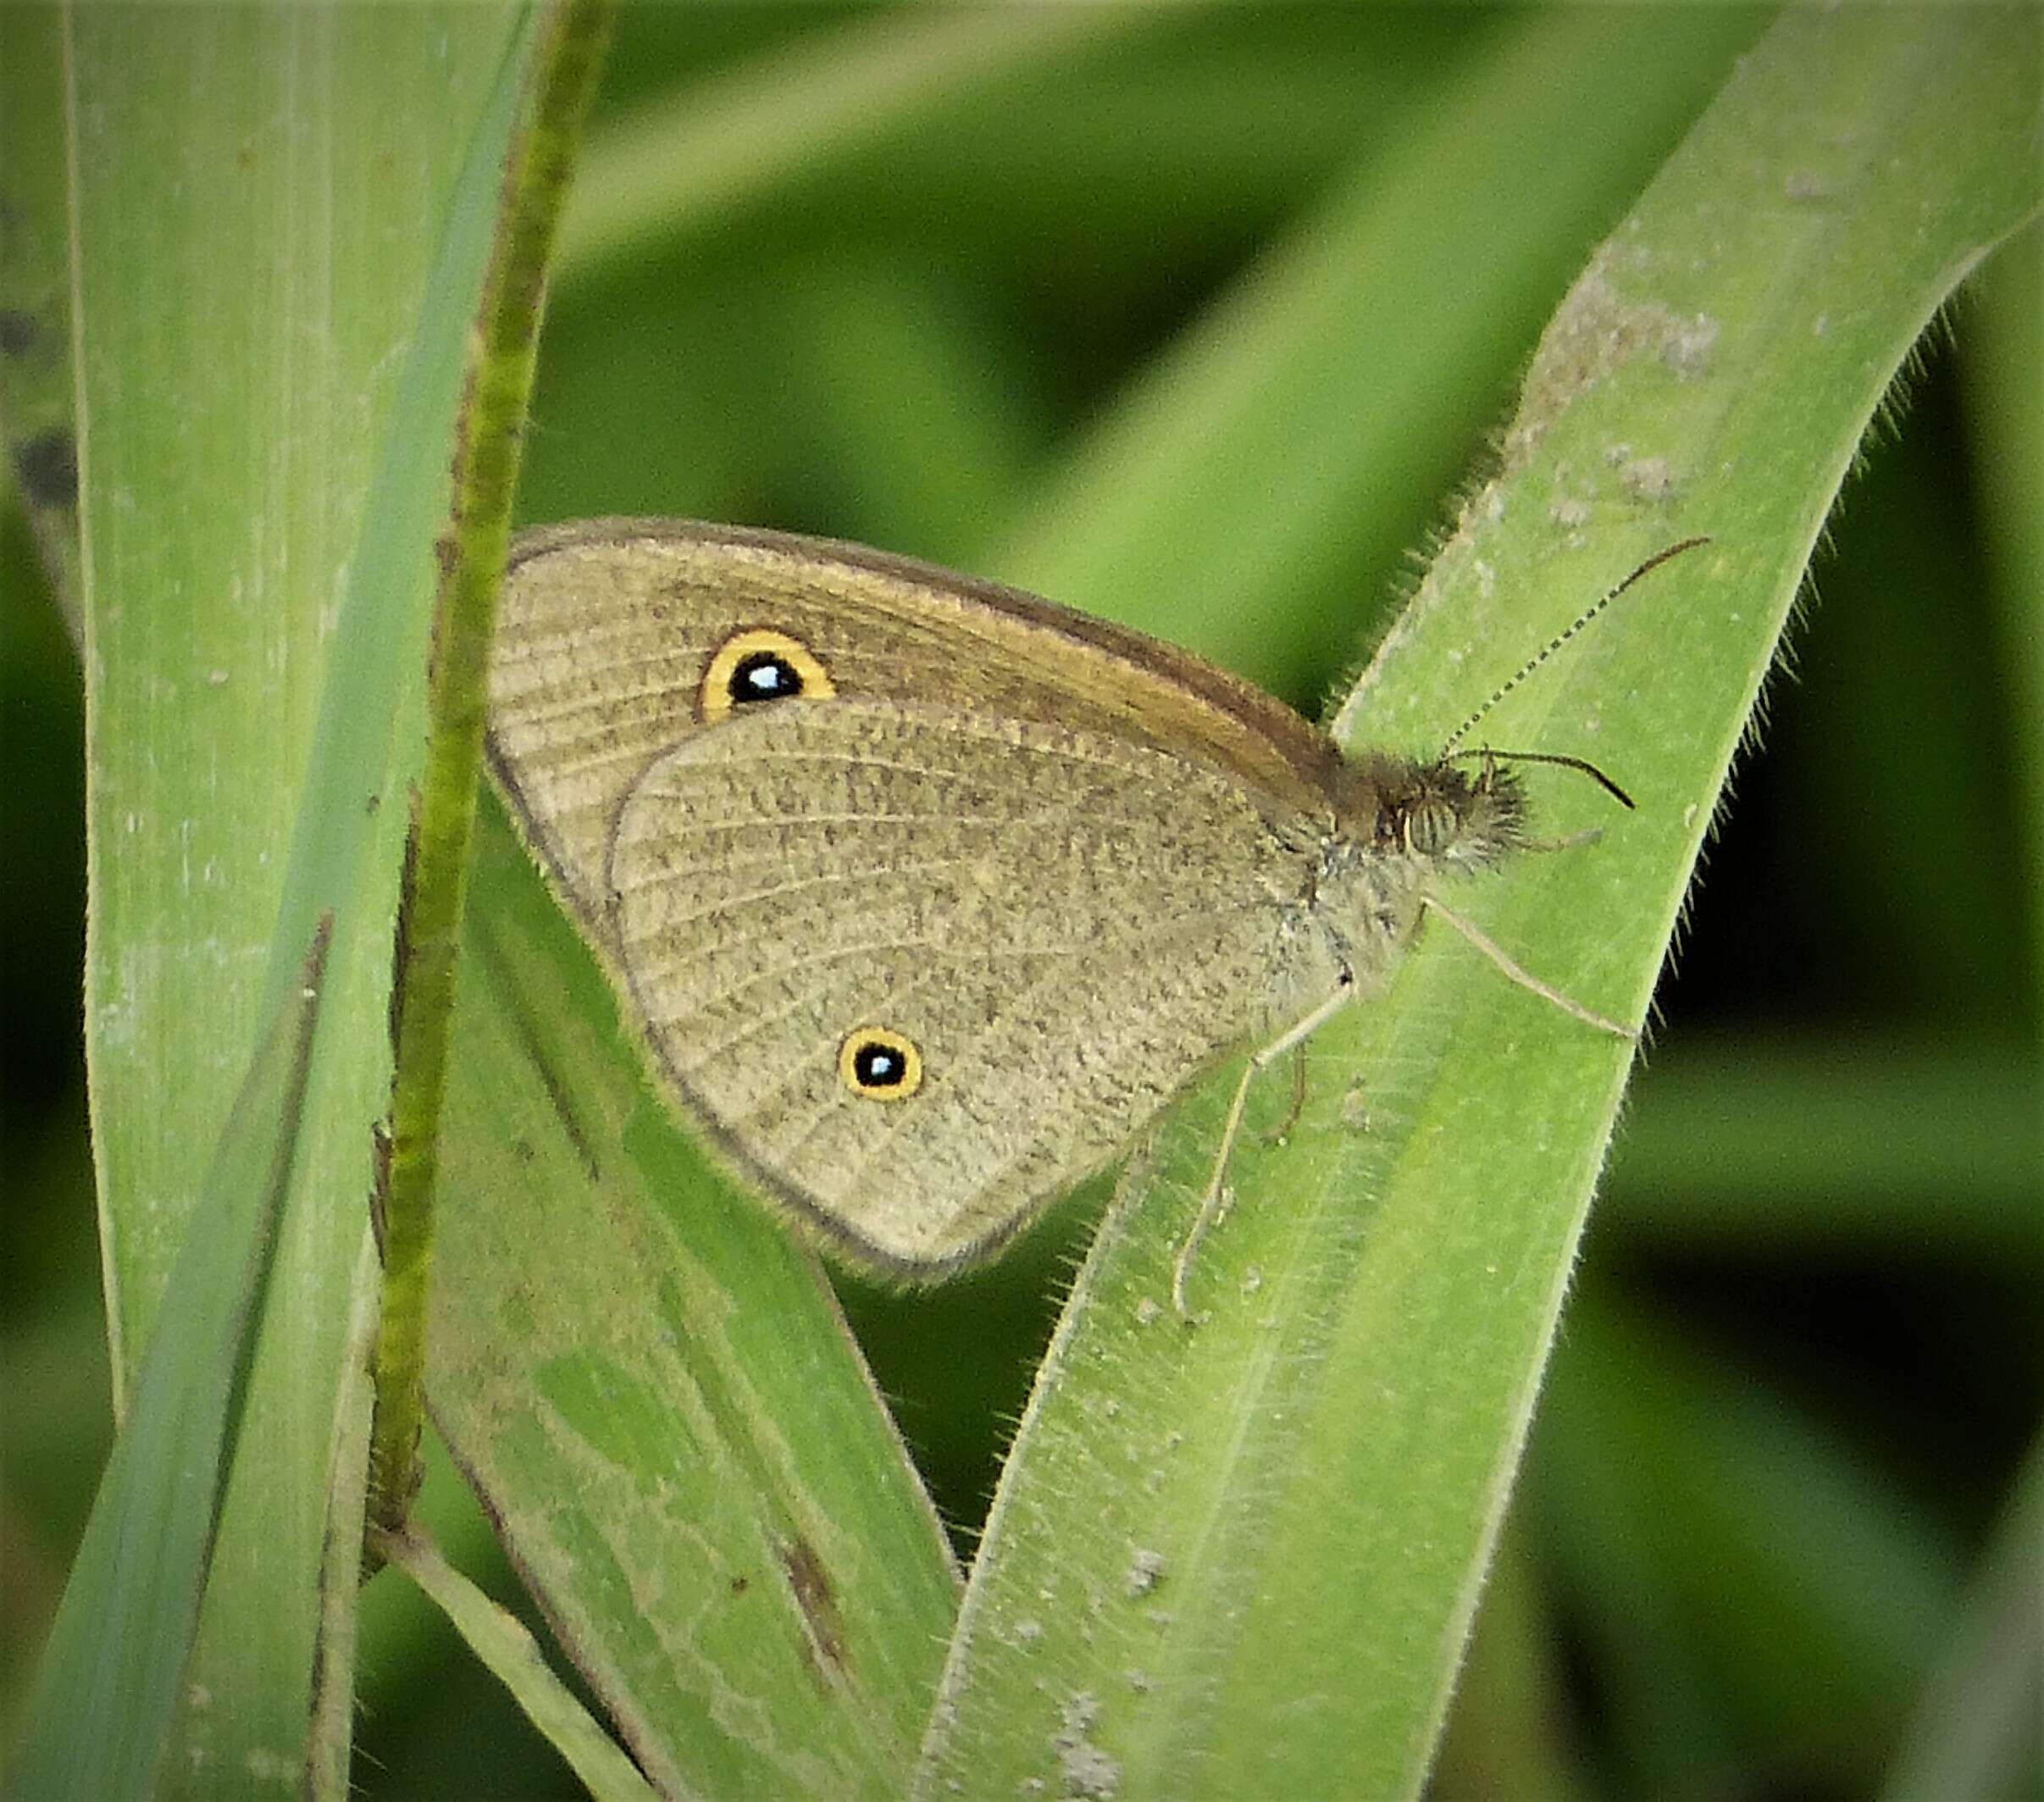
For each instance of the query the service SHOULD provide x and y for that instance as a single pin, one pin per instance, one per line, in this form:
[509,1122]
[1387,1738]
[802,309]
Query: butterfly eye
[759,664]
[880,1065]
[1430,829]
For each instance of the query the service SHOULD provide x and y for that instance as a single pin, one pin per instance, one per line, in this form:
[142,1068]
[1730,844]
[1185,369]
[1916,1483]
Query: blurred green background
[1799,1384]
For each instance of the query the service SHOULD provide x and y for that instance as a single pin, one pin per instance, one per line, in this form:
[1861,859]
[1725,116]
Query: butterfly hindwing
[1017,900]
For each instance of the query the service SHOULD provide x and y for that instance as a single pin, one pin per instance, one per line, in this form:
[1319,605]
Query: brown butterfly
[929,894]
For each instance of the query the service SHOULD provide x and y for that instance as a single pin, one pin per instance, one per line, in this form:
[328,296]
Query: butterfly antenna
[1554,644]
[1559,757]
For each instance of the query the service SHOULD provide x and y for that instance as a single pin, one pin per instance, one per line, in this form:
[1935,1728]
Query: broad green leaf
[1242,1560]
[110,1675]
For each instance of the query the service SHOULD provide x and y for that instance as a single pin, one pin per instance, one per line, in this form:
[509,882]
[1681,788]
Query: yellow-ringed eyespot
[882,1066]
[756,665]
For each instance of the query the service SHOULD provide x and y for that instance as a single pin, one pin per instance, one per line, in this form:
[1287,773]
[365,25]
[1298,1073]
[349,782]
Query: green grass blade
[112,1671]
[1754,1544]
[739,140]
[1977,1730]
[502,1643]
[1242,1560]
[1844,1149]
[264,473]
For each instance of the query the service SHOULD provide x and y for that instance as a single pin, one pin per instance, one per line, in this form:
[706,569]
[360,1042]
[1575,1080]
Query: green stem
[488,445]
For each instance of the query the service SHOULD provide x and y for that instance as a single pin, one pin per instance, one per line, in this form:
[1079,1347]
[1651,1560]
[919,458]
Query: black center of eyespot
[763,675]
[879,1066]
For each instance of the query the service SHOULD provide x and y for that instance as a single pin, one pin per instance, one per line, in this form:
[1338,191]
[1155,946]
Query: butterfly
[928,894]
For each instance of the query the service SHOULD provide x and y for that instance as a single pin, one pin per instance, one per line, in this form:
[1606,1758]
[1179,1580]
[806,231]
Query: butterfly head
[1443,813]
[1446,813]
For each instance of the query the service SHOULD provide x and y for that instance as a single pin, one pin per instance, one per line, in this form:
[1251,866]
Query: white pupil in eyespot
[762,678]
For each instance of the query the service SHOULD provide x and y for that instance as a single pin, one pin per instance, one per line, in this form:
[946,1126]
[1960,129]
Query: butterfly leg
[1212,1203]
[1525,979]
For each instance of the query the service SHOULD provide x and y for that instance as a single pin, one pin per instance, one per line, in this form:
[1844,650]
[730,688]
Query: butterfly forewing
[606,628]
